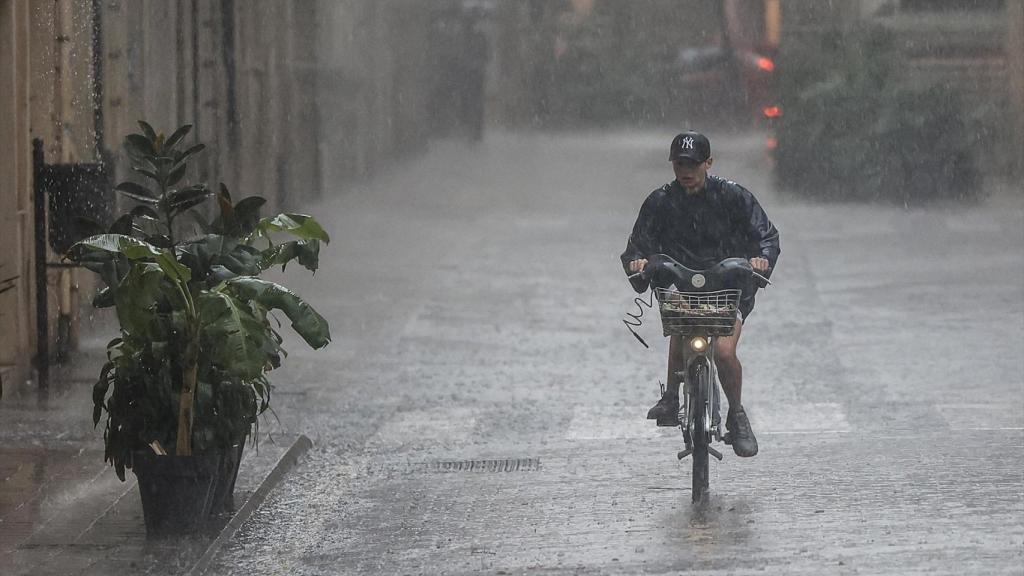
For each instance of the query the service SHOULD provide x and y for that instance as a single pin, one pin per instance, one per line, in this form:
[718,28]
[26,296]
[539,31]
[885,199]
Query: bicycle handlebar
[663,271]
[756,275]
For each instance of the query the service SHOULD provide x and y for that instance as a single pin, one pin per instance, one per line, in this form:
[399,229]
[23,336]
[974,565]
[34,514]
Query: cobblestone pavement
[481,408]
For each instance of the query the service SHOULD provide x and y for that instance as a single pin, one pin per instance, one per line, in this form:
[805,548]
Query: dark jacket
[723,221]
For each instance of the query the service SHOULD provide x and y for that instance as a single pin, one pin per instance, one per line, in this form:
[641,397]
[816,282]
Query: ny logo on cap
[687,143]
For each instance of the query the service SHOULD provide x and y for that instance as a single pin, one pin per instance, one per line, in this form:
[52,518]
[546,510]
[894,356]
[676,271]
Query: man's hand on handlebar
[637,265]
[758,264]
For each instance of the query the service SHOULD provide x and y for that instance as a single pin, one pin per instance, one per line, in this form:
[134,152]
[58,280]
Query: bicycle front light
[698,344]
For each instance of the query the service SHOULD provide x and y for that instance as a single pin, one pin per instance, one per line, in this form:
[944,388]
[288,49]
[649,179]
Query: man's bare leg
[730,374]
[730,371]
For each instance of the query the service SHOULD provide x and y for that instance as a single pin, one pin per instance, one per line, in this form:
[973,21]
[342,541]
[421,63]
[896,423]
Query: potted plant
[186,379]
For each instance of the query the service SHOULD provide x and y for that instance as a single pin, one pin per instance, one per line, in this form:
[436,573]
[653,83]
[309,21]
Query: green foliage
[173,293]
[854,127]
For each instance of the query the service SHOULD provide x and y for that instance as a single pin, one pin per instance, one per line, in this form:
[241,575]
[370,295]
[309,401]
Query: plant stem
[168,215]
[189,370]
[190,364]
[188,389]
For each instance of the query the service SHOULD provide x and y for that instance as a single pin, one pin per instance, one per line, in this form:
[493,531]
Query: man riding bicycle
[700,219]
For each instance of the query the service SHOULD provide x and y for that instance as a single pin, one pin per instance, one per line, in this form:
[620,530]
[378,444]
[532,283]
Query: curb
[287,461]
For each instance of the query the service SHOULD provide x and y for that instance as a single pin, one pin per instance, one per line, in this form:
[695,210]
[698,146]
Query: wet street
[481,409]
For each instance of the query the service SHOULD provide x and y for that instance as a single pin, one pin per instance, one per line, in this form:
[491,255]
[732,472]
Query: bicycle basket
[686,313]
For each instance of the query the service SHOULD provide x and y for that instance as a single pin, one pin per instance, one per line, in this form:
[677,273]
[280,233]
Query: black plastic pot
[224,491]
[176,491]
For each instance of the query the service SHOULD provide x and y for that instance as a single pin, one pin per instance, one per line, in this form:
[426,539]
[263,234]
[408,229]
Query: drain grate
[503,465]
[446,466]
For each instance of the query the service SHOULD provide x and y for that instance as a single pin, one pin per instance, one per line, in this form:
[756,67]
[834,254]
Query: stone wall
[15,199]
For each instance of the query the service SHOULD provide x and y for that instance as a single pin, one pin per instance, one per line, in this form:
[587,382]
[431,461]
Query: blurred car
[705,70]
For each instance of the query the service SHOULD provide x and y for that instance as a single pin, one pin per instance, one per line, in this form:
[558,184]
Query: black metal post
[196,63]
[42,294]
[97,79]
[227,18]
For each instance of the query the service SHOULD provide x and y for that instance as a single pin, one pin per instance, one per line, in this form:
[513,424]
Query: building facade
[291,98]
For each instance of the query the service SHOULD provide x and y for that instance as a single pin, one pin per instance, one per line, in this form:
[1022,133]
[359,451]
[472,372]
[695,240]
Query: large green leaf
[307,252]
[136,192]
[305,320]
[180,159]
[138,146]
[236,334]
[104,298]
[160,241]
[105,248]
[177,136]
[151,229]
[176,174]
[237,220]
[299,225]
[135,298]
[151,174]
[199,253]
[164,162]
[130,247]
[174,269]
[247,213]
[202,253]
[135,249]
[144,210]
[147,162]
[148,130]
[220,274]
[242,260]
[99,391]
[181,200]
[105,264]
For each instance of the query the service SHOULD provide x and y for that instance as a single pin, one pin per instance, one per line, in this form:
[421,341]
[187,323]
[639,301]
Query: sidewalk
[63,511]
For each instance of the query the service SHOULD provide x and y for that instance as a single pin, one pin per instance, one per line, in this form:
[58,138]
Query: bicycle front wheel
[700,377]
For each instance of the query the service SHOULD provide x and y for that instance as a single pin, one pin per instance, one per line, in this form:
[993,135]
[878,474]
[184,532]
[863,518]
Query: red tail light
[765,64]
[772,112]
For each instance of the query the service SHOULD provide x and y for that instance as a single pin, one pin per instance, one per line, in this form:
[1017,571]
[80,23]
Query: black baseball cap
[690,146]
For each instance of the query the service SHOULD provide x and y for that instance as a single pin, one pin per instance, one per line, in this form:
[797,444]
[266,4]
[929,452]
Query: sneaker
[740,435]
[666,411]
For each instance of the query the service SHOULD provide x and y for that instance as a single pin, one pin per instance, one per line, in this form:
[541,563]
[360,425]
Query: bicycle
[705,306]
